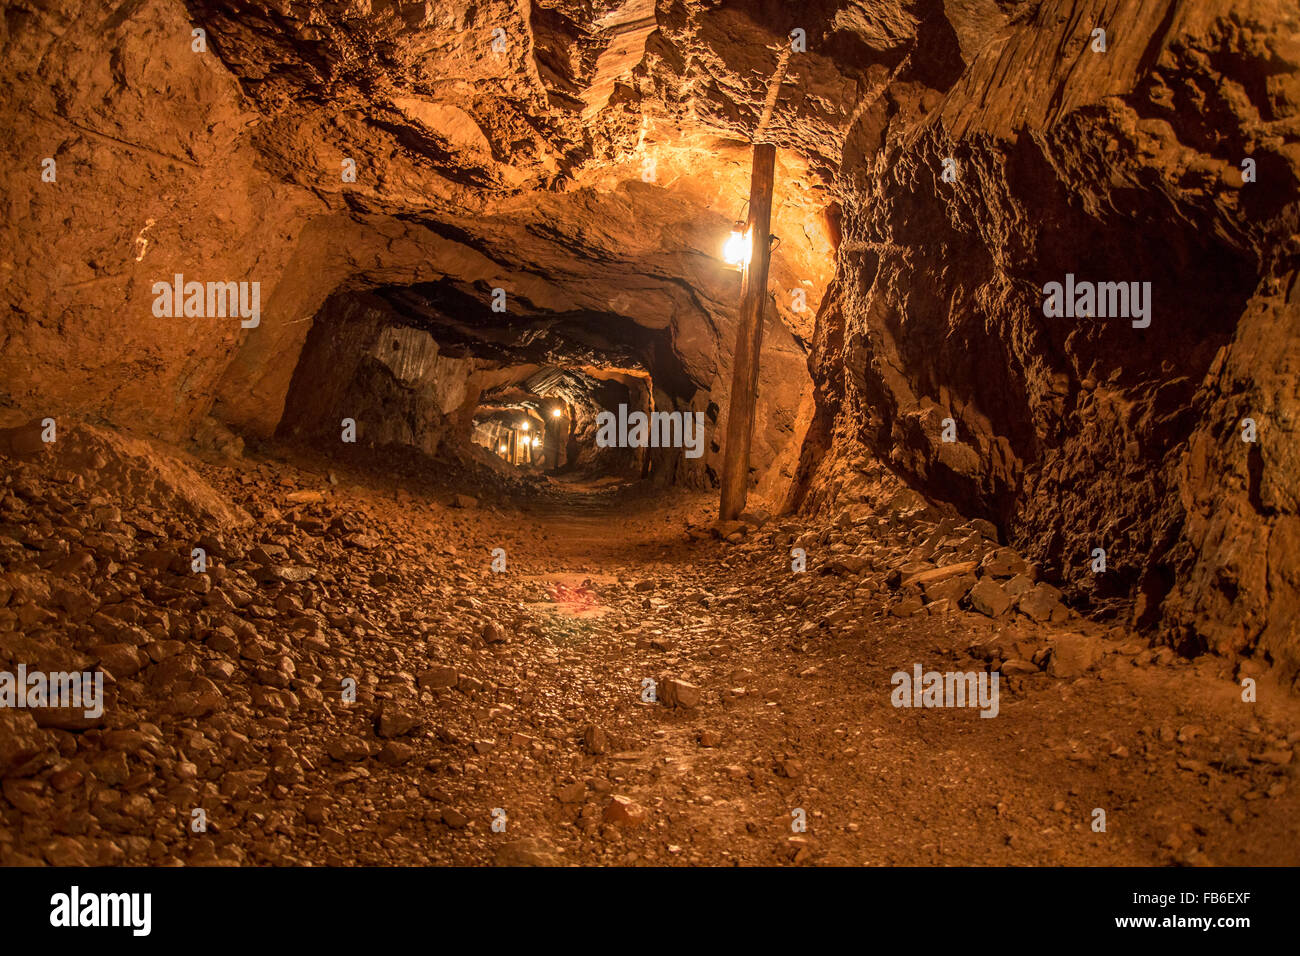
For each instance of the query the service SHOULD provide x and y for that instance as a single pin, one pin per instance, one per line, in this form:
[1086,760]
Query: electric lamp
[739,247]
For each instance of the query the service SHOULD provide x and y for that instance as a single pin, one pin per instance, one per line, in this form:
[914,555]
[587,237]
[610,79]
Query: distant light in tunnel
[738,248]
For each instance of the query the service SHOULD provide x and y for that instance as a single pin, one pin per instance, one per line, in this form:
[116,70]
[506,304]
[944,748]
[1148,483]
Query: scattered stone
[1018,668]
[21,742]
[624,811]
[529,851]
[1003,563]
[1073,655]
[595,740]
[936,575]
[1018,585]
[951,589]
[348,747]
[906,607]
[396,753]
[987,597]
[1042,603]
[438,677]
[454,818]
[678,693]
[393,720]
[1278,758]
[572,793]
[789,767]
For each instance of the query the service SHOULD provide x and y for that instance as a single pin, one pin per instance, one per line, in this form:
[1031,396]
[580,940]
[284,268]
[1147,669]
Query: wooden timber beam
[749,336]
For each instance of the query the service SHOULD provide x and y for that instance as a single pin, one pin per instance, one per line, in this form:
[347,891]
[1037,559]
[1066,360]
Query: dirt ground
[500,716]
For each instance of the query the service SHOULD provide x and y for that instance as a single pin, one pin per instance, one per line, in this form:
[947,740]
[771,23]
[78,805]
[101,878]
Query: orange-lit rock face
[314,150]
[1089,432]
[589,160]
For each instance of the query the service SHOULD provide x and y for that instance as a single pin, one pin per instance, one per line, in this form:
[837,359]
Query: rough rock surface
[590,166]
[334,689]
[563,169]
[1074,434]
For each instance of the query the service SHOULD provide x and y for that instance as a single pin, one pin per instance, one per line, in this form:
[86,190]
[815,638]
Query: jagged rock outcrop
[1081,433]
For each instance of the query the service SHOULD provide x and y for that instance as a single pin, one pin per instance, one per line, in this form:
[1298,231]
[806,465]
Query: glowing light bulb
[503,447]
[555,413]
[738,248]
[524,426]
[536,442]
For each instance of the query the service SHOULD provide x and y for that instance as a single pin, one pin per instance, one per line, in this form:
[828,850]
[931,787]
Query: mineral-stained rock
[1071,428]
[532,236]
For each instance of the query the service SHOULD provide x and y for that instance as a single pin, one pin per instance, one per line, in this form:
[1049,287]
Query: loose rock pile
[347,681]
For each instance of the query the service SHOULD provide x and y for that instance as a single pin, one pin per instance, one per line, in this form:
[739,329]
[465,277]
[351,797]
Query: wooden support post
[749,337]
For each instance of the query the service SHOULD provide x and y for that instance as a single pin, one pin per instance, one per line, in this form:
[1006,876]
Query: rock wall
[390,380]
[1080,433]
[154,174]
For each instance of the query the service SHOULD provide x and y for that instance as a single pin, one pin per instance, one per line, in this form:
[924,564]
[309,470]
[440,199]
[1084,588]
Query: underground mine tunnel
[650,432]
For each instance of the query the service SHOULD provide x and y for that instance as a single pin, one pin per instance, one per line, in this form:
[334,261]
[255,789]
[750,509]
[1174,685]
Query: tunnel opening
[548,423]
